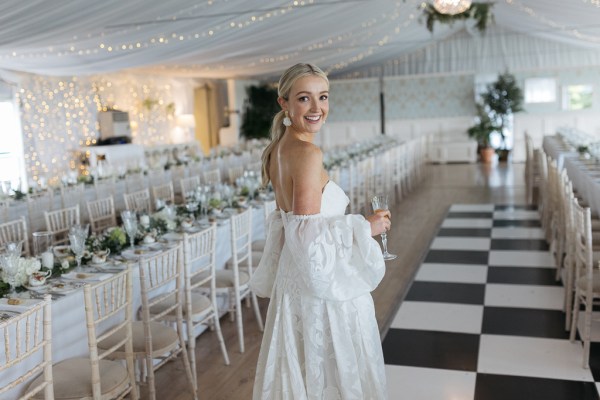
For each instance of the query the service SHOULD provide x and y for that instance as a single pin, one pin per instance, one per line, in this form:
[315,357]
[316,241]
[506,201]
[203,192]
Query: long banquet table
[583,172]
[69,334]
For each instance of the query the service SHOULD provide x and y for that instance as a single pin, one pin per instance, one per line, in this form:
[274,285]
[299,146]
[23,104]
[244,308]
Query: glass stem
[384,242]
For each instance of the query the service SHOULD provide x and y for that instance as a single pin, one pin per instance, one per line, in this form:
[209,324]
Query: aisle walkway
[483,318]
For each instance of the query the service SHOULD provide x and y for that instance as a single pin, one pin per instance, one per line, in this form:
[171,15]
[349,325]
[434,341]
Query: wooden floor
[415,218]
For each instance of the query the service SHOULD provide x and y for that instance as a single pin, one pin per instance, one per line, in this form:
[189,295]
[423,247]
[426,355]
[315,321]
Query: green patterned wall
[429,96]
[354,100]
[439,96]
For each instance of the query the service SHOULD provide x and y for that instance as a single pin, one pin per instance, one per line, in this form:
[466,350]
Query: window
[11,148]
[540,90]
[577,97]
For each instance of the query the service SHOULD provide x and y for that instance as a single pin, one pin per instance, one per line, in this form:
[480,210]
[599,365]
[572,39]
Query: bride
[319,266]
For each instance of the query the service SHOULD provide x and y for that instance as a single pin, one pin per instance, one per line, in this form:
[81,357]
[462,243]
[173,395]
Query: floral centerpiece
[113,239]
[16,272]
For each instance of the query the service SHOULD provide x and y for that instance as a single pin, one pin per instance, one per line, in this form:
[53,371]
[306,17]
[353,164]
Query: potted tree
[481,132]
[495,112]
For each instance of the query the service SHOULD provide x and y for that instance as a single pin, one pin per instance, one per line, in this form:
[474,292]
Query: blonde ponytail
[277,131]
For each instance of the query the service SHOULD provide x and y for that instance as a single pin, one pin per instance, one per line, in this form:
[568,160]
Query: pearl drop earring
[287,121]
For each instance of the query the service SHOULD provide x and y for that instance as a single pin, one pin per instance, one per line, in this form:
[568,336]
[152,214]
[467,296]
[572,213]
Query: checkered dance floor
[483,319]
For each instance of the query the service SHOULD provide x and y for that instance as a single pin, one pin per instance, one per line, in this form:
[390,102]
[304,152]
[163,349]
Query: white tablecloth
[69,334]
[583,173]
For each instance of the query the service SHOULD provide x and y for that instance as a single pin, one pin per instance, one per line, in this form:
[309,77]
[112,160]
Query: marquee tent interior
[136,54]
[233,39]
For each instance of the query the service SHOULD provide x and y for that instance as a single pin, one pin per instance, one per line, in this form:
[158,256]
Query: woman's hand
[380,222]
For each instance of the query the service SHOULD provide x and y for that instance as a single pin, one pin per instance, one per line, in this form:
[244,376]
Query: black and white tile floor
[483,319]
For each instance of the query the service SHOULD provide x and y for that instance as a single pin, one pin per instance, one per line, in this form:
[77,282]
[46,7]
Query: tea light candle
[145,221]
[48,260]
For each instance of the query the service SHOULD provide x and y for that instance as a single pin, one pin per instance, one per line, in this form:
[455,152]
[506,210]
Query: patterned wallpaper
[354,100]
[429,96]
[405,98]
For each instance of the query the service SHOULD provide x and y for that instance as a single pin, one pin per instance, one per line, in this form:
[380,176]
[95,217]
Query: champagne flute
[380,203]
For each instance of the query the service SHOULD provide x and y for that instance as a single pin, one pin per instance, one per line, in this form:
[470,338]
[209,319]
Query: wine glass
[10,266]
[130,224]
[77,241]
[13,249]
[380,203]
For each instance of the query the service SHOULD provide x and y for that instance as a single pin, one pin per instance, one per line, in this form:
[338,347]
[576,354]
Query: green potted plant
[481,132]
[259,108]
[499,102]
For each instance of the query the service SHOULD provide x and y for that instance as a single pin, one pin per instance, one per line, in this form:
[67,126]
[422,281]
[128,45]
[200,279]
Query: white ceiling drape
[258,38]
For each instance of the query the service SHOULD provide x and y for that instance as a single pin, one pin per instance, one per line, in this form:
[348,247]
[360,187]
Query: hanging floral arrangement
[480,12]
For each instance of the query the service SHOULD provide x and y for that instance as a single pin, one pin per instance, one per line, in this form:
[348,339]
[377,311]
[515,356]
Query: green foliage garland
[480,12]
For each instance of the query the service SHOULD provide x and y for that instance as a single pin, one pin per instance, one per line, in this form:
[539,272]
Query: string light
[59,116]
[547,21]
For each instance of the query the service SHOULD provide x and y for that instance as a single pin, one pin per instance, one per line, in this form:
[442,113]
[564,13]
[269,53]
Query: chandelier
[451,6]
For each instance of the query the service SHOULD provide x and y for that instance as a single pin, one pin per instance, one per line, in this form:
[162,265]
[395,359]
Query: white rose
[64,264]
[21,278]
[31,266]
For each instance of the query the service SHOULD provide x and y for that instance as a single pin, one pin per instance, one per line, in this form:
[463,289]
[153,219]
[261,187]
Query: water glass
[42,242]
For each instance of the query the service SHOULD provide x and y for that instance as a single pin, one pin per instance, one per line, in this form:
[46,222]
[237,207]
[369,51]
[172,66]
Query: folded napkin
[86,276]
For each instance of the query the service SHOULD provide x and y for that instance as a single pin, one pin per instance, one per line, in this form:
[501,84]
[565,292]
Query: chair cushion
[224,278]
[200,304]
[73,379]
[258,245]
[256,255]
[582,283]
[163,338]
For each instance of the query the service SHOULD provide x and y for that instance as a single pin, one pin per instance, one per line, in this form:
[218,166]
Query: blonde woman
[321,339]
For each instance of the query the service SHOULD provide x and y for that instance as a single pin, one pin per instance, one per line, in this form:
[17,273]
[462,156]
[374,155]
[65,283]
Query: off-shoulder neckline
[303,215]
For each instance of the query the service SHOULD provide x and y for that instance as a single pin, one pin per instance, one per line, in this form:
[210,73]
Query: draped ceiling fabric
[260,38]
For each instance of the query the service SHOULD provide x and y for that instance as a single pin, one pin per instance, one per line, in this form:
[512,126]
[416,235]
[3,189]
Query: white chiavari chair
[72,195]
[586,277]
[15,231]
[26,337]
[212,177]
[188,185]
[269,207]
[235,279]
[154,341]
[234,173]
[102,214]
[163,193]
[199,255]
[138,201]
[60,221]
[4,206]
[108,314]
[532,175]
[37,204]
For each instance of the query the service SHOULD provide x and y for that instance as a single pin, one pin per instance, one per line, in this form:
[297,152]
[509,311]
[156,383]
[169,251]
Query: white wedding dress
[321,339]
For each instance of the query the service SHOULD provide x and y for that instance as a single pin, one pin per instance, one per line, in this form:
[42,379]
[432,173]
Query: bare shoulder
[306,154]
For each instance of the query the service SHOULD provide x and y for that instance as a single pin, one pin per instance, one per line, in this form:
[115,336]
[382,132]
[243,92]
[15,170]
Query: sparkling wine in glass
[380,203]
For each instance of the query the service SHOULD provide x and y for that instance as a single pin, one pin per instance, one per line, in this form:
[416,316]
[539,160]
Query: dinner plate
[65,287]
[86,276]
[38,288]
[134,254]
